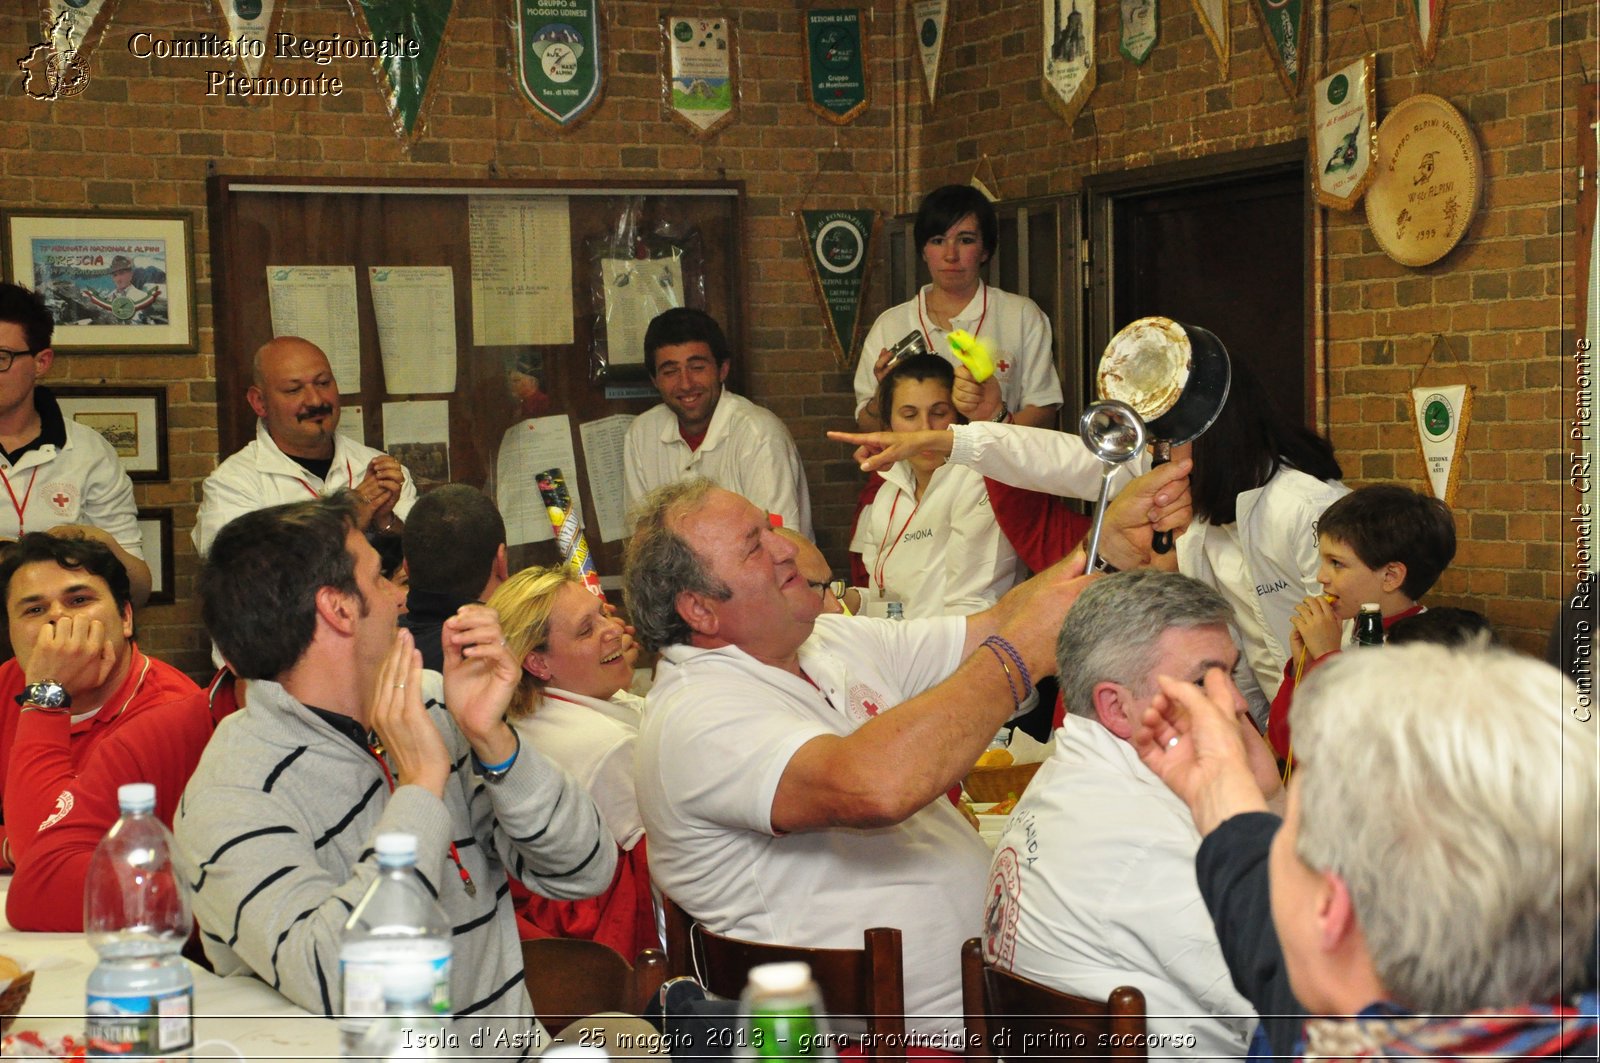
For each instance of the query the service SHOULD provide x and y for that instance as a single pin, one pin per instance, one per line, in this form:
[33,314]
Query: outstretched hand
[1157,501]
[876,451]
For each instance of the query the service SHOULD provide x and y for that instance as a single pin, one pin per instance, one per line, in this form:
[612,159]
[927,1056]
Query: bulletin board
[381,265]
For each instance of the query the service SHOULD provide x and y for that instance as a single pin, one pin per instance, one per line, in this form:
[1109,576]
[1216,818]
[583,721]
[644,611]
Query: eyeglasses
[834,587]
[9,356]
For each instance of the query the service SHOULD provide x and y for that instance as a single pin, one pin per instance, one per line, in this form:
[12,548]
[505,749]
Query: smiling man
[82,711]
[702,429]
[298,452]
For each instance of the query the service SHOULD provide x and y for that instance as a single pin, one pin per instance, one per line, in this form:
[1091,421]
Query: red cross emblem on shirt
[1003,365]
[60,500]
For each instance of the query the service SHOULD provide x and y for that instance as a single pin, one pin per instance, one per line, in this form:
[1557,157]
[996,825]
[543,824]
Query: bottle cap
[780,977]
[136,797]
[396,848]
[1371,607]
[404,983]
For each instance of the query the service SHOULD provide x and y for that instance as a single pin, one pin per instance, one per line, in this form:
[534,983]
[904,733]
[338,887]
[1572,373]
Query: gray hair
[660,565]
[1111,632]
[1454,790]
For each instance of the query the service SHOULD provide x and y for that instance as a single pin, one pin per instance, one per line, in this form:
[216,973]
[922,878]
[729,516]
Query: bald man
[298,452]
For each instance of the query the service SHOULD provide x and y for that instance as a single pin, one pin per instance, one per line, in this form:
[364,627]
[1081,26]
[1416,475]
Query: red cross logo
[872,710]
[60,500]
[1003,365]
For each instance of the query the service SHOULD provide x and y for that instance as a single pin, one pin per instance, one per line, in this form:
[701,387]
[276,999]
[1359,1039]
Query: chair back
[867,982]
[570,979]
[1011,1016]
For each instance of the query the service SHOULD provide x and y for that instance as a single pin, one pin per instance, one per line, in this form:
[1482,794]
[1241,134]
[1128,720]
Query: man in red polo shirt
[82,711]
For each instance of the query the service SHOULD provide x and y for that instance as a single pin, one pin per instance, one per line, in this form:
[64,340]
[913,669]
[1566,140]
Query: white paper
[636,291]
[521,270]
[528,448]
[602,455]
[416,311]
[318,303]
[352,423]
[417,434]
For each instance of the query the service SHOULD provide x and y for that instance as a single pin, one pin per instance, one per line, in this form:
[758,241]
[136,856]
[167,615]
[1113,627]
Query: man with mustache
[298,452]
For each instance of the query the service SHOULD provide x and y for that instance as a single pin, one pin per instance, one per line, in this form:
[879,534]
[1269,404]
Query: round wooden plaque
[1428,183]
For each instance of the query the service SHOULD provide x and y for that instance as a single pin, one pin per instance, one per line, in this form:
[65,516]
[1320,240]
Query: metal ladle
[1114,433]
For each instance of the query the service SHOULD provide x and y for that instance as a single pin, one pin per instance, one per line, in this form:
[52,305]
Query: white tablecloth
[249,1018]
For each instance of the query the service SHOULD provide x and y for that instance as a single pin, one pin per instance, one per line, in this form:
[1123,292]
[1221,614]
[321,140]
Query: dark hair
[89,556]
[1446,626]
[1387,522]
[683,324]
[1249,442]
[259,583]
[19,306]
[916,367]
[452,535]
[945,206]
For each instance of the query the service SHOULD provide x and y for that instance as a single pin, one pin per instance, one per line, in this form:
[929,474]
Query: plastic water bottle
[894,610]
[396,922]
[782,1016]
[1369,625]
[136,916]
[409,1029]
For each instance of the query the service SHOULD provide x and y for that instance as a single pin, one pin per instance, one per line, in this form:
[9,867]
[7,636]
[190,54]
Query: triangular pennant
[560,63]
[1139,21]
[1069,41]
[1442,414]
[1285,29]
[836,62]
[702,86]
[59,67]
[928,19]
[1426,18]
[405,73]
[838,252]
[251,24]
[1213,16]
[1344,133]
[984,180]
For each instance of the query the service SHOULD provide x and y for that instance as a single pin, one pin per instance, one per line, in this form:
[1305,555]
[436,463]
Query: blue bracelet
[495,772]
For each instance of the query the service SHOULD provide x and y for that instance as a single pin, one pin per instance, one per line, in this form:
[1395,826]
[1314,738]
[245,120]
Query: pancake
[1147,366]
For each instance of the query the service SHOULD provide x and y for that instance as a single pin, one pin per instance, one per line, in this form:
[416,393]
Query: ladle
[1114,433]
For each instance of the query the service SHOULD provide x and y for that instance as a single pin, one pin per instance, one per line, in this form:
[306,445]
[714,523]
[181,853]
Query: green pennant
[1283,25]
[559,58]
[839,243]
[837,63]
[407,71]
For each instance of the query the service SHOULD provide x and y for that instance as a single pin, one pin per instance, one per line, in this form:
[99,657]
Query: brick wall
[144,135]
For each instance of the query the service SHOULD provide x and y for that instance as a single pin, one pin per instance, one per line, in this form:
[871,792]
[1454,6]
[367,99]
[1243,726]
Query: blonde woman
[573,706]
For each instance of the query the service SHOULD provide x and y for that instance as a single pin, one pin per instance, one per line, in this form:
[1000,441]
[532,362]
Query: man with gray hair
[791,766]
[1092,884]
[1433,881]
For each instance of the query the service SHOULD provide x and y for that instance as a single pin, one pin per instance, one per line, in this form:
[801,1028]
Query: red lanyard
[22,507]
[983,314]
[350,481]
[455,857]
[883,557]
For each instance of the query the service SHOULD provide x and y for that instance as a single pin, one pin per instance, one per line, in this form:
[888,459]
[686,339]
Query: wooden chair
[1010,1016]
[569,979]
[868,982]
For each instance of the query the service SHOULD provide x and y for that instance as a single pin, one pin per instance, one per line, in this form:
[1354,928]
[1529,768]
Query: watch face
[47,695]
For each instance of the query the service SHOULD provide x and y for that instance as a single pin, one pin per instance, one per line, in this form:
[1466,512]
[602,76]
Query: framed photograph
[132,420]
[155,528]
[118,282]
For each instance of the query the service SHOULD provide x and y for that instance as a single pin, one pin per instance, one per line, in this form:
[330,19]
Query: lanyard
[350,481]
[22,507]
[883,558]
[376,749]
[982,315]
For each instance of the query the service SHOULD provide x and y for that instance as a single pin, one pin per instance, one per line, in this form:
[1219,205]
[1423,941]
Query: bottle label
[362,975]
[141,1024]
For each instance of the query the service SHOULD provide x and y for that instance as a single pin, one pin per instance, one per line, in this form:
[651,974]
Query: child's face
[1345,579]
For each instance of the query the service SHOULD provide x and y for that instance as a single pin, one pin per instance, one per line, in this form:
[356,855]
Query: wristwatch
[1002,413]
[46,694]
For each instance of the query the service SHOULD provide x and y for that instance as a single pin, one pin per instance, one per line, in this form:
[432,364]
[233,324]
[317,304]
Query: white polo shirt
[593,741]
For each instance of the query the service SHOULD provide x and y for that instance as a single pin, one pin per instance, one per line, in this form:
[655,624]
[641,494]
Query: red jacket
[622,917]
[60,780]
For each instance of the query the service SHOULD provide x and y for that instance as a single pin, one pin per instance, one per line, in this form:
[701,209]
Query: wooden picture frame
[75,261]
[132,420]
[155,527]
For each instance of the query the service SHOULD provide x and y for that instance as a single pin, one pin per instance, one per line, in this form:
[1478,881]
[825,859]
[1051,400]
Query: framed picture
[132,420]
[155,528]
[123,281]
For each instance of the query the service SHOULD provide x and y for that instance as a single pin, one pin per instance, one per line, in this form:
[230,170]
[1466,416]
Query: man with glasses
[57,475]
[815,571]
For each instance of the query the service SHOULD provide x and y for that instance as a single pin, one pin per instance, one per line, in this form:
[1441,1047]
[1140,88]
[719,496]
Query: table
[242,1014]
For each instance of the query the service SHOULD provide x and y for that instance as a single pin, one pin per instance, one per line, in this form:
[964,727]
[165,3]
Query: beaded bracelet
[1016,659]
[1016,701]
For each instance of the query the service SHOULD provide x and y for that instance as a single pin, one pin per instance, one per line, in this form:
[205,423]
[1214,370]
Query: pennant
[837,63]
[838,243]
[58,69]
[1213,16]
[700,78]
[1426,19]
[1442,415]
[984,180]
[1344,130]
[1139,19]
[251,24]
[560,65]
[928,19]
[405,74]
[1284,28]
[1069,40]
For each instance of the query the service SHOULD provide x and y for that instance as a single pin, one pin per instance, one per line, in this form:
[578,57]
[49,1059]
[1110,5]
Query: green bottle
[783,1016]
[1369,625]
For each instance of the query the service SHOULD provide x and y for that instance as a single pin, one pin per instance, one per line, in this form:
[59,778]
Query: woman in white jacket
[929,539]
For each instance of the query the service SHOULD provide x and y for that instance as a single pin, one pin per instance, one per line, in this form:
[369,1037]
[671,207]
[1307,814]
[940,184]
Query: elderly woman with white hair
[1433,884]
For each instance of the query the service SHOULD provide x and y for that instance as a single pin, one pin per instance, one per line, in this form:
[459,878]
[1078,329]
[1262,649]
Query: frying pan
[1175,376]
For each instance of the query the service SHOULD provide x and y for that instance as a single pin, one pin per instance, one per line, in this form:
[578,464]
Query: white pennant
[1442,414]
